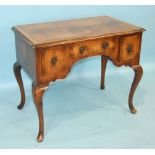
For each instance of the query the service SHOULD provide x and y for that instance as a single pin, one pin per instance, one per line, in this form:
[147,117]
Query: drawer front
[130,48]
[106,46]
[53,61]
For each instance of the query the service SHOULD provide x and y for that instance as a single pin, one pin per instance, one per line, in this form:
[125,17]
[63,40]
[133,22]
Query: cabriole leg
[138,75]
[17,71]
[38,92]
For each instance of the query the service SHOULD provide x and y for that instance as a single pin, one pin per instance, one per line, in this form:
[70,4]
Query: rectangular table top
[57,32]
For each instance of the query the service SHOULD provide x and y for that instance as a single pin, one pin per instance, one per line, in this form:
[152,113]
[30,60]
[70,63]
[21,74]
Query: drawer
[106,46]
[130,47]
[53,60]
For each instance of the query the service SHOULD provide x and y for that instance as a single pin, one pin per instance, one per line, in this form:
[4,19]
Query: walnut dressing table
[47,51]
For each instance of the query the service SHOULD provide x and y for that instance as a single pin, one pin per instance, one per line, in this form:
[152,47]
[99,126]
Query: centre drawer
[105,46]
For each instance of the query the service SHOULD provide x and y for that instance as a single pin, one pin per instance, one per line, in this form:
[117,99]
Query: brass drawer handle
[82,49]
[105,45]
[129,48]
[54,60]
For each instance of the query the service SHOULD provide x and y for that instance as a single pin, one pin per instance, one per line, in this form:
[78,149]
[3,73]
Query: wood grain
[60,32]
[127,56]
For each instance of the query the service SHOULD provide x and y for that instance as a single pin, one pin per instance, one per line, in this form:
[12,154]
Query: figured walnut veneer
[47,52]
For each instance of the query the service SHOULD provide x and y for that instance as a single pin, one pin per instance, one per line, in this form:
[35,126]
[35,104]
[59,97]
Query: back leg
[104,61]
[17,71]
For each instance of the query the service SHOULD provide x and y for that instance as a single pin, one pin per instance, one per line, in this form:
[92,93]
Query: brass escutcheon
[105,45]
[129,48]
[82,49]
[54,60]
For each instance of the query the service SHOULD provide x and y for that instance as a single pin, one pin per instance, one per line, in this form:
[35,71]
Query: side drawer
[130,48]
[53,61]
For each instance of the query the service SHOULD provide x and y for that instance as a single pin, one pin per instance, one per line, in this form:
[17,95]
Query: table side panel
[25,54]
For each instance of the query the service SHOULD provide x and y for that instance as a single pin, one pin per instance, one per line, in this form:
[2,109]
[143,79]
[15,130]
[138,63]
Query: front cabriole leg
[38,92]
[138,75]
[17,72]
